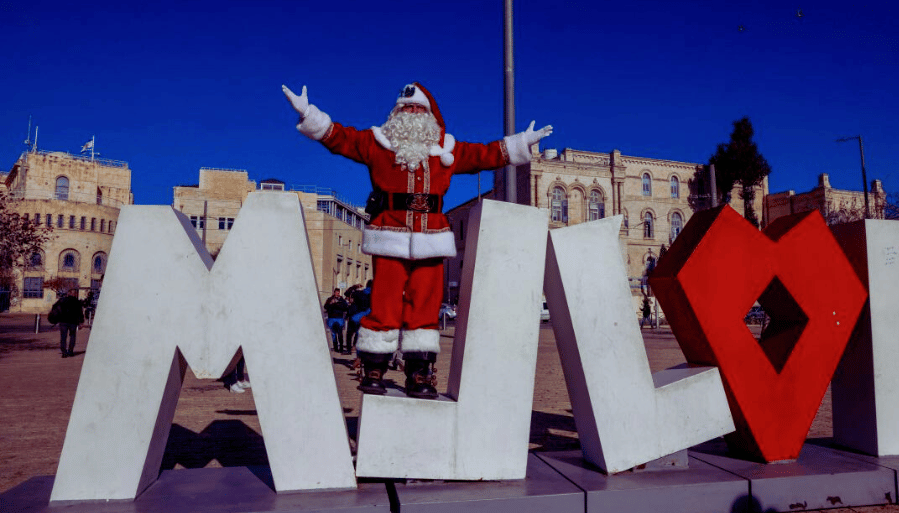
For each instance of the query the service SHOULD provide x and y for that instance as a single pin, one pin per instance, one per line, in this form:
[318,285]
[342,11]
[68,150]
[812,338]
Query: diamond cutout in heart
[712,275]
[787,322]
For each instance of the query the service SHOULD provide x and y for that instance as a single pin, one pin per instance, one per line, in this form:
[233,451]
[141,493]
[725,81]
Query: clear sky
[170,87]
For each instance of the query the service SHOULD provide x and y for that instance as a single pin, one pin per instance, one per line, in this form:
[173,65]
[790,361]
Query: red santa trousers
[405,294]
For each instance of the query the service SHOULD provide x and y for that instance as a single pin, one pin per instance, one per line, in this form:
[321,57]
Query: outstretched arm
[519,145]
[313,123]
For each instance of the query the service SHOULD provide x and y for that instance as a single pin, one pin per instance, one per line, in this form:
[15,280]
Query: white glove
[530,136]
[299,103]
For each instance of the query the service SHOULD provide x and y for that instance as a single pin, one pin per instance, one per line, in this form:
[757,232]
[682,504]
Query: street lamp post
[861,149]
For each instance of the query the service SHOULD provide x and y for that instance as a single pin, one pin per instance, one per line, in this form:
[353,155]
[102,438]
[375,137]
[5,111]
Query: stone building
[333,226]
[836,205]
[79,197]
[655,197]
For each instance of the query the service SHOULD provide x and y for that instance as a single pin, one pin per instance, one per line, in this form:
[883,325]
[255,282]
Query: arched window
[62,188]
[559,205]
[647,184]
[597,207]
[677,224]
[69,261]
[99,263]
[675,187]
[99,196]
[648,231]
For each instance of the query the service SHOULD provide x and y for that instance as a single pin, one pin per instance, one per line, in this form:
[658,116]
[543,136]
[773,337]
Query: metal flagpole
[509,75]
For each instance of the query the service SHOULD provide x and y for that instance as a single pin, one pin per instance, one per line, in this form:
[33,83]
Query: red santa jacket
[401,233]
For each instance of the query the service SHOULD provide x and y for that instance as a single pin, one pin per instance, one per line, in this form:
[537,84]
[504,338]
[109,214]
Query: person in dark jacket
[71,317]
[336,308]
[360,306]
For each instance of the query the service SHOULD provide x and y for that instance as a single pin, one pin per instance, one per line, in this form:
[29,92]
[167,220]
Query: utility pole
[861,149]
[509,104]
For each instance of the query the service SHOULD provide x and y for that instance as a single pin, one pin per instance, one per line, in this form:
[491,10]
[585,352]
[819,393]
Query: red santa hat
[416,94]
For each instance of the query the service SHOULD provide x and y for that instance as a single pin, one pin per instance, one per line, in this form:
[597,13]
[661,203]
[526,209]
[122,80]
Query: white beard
[411,135]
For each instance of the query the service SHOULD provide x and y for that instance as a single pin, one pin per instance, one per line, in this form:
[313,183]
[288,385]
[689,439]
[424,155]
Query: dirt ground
[214,427]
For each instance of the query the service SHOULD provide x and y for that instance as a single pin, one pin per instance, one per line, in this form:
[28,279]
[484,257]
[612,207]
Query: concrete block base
[542,490]
[701,488]
[206,490]
[820,478]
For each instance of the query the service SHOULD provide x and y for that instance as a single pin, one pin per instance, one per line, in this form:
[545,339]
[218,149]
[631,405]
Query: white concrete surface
[866,384]
[481,428]
[625,415]
[165,306]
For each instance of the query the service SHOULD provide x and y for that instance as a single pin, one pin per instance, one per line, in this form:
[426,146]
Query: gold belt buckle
[418,202]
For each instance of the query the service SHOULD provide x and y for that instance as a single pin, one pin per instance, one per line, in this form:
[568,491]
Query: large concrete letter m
[165,306]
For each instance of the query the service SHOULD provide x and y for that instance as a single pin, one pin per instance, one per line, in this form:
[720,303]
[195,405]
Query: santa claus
[410,160]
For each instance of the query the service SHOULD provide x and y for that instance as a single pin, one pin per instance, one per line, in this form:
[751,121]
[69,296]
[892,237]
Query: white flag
[87,146]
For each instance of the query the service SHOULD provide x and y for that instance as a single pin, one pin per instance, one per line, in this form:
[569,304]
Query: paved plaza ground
[214,427]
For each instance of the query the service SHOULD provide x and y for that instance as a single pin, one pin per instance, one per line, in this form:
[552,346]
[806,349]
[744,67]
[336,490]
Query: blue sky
[170,87]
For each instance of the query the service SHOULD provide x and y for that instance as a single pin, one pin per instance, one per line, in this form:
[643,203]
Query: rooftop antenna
[36,128]
[28,139]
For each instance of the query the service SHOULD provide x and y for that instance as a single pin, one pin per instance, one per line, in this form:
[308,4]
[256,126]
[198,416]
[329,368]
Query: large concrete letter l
[165,306]
[625,415]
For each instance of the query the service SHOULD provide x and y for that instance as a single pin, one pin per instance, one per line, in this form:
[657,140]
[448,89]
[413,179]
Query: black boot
[420,379]
[374,366]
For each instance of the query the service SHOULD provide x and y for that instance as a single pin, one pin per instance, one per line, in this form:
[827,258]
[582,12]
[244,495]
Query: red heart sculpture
[710,278]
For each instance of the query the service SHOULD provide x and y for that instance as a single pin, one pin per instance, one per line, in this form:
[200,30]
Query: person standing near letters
[411,160]
[70,318]
[335,310]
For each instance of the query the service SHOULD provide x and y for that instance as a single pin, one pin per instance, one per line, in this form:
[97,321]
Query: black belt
[416,202]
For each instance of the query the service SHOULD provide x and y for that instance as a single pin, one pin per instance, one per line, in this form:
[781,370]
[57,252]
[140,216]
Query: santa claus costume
[410,172]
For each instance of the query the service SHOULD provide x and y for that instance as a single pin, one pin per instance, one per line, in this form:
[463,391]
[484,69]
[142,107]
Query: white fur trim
[388,243]
[408,245]
[418,98]
[519,152]
[445,152]
[427,341]
[430,245]
[380,342]
[315,123]
[381,138]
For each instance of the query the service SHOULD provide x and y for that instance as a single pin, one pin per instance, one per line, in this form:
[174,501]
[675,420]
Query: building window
[225,223]
[93,224]
[198,221]
[272,186]
[34,287]
[83,222]
[60,221]
[677,224]
[72,222]
[99,264]
[35,262]
[597,208]
[99,196]
[675,187]
[62,188]
[102,225]
[37,218]
[49,220]
[648,231]
[647,184]
[110,227]
[559,205]
[68,261]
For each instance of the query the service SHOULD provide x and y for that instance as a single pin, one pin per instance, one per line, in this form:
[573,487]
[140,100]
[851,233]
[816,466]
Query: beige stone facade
[655,197]
[836,205]
[333,226]
[80,198]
